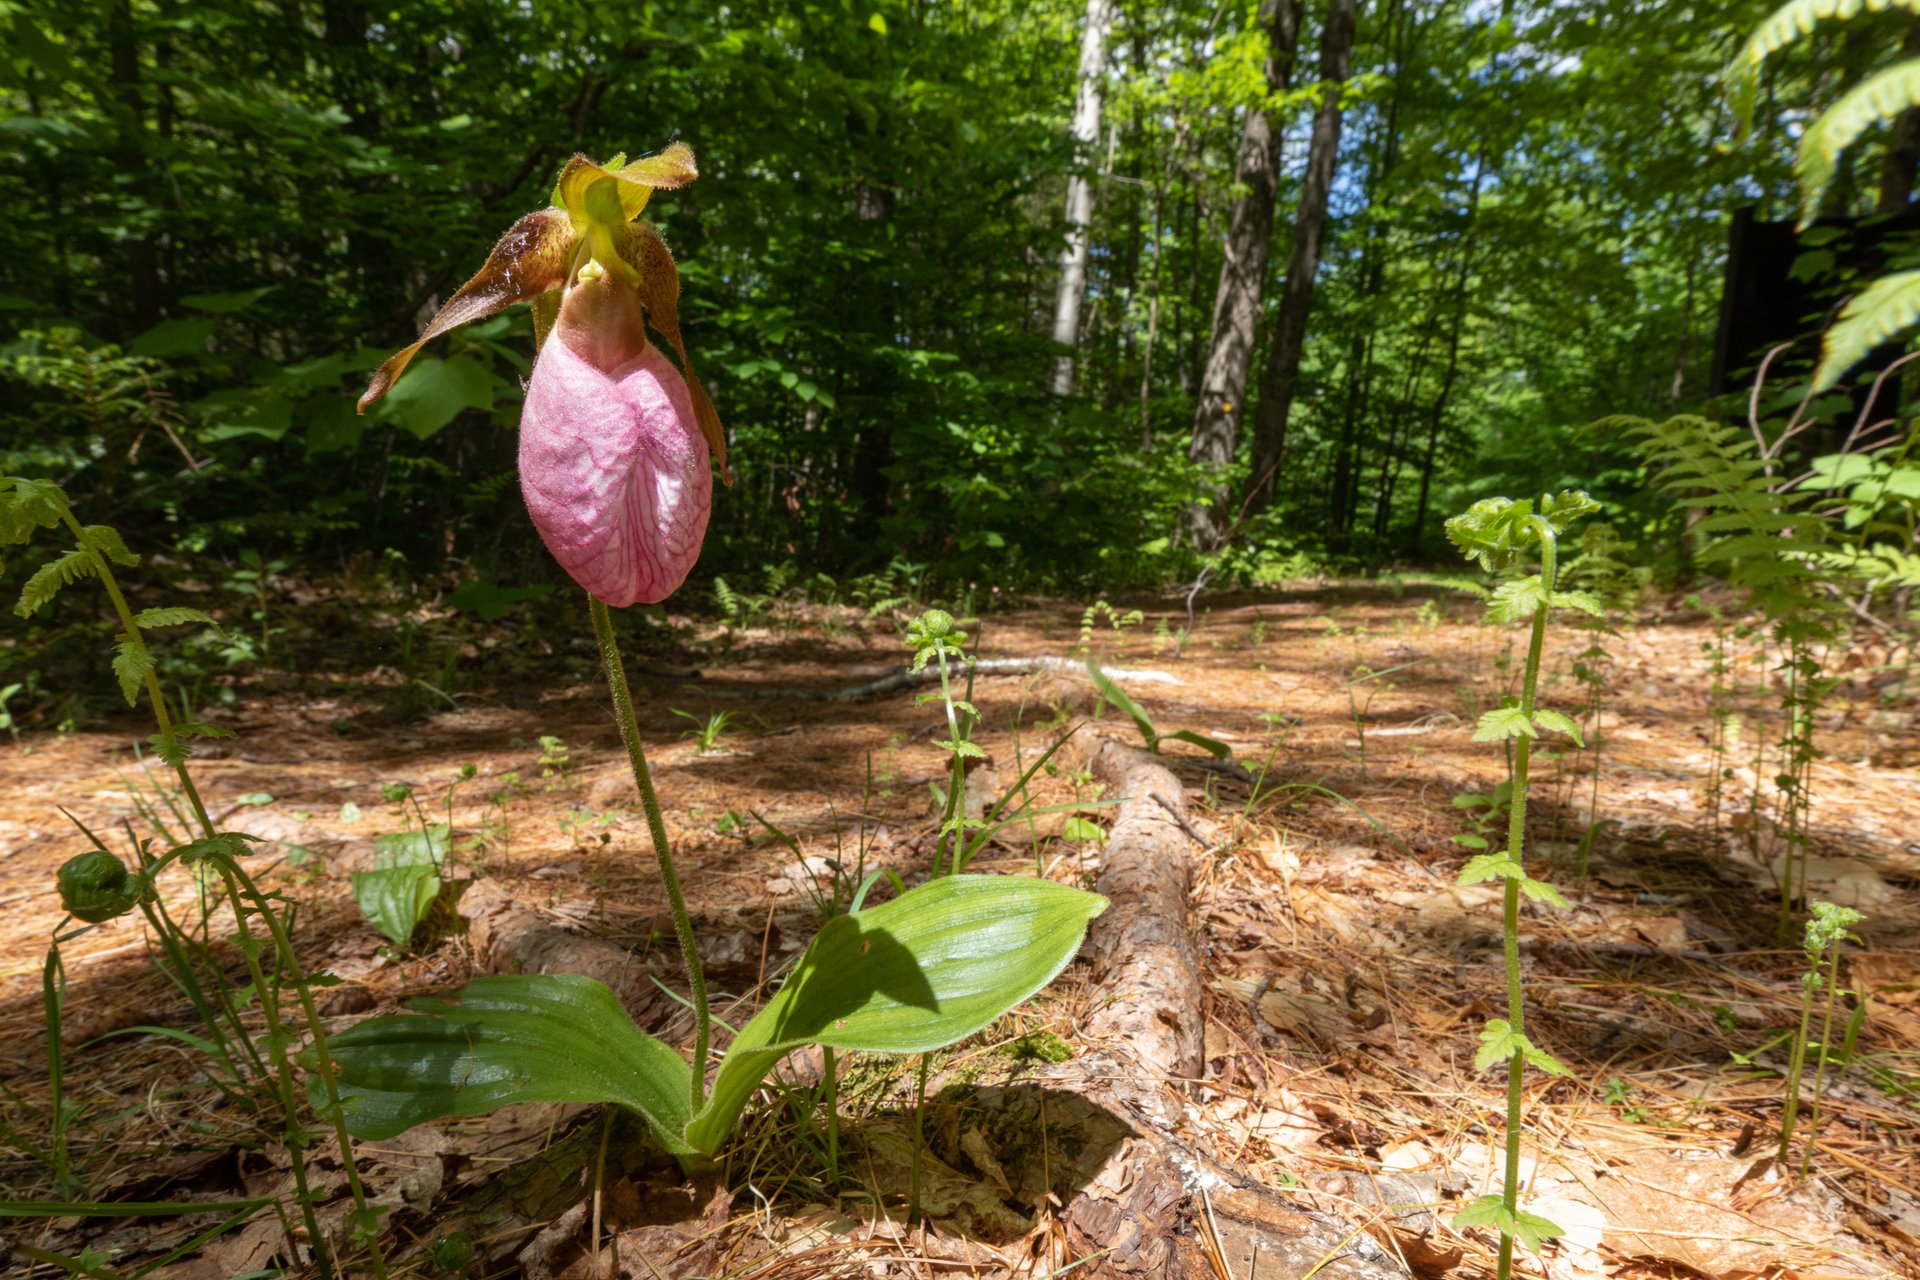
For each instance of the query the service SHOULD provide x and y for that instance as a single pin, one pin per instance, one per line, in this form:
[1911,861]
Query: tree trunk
[1437,418]
[143,259]
[1243,273]
[1303,264]
[1086,134]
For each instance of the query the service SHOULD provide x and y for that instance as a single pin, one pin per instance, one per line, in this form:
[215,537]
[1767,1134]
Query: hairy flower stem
[957,784]
[1516,843]
[682,923]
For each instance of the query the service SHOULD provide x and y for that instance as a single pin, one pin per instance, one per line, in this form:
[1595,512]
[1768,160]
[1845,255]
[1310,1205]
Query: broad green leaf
[435,392]
[1502,723]
[929,968]
[172,338]
[1877,314]
[1584,601]
[532,1038]
[395,895]
[331,424]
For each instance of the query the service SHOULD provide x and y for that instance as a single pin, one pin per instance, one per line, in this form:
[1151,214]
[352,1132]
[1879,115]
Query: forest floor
[1348,975]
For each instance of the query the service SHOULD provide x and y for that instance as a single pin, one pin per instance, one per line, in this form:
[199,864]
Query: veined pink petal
[615,472]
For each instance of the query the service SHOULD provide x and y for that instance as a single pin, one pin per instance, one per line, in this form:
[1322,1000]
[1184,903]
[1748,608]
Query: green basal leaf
[396,894]
[1555,722]
[531,1038]
[918,973]
[1501,723]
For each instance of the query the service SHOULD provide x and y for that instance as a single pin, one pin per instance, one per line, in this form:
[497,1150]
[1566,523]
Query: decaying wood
[1149,1205]
[930,674]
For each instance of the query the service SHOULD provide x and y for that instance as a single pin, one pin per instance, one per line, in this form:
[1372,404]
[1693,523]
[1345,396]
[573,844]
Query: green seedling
[1503,534]
[706,733]
[1117,623]
[96,886]
[1827,929]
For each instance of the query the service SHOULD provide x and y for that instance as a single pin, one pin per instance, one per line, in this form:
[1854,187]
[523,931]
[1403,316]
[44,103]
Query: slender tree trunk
[1243,272]
[1438,415]
[1303,264]
[1902,158]
[1086,135]
[144,297]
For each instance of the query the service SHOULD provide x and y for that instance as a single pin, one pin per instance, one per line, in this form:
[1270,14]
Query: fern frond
[107,541]
[47,581]
[1787,24]
[147,619]
[26,505]
[1878,313]
[132,664]
[1880,97]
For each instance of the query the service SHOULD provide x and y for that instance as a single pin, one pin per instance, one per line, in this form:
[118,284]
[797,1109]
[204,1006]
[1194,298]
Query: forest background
[963,307]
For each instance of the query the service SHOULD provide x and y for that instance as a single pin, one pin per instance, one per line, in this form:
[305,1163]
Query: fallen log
[1150,1206]
[930,674]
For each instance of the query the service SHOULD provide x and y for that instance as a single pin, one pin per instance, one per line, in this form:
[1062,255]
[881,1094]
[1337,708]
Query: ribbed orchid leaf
[531,1038]
[932,967]
[526,262]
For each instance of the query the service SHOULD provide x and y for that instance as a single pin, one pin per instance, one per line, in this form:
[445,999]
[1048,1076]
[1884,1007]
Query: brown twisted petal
[526,262]
[647,253]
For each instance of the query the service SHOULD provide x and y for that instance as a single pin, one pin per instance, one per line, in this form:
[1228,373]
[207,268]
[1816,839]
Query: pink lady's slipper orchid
[614,441]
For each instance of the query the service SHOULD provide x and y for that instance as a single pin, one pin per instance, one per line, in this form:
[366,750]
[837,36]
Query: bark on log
[1148,1204]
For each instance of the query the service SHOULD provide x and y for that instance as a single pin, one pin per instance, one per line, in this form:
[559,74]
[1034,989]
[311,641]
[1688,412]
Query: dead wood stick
[929,674]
